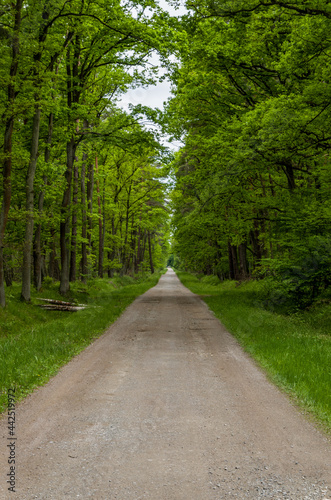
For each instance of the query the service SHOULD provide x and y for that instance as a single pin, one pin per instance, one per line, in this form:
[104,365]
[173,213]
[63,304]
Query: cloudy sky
[154,95]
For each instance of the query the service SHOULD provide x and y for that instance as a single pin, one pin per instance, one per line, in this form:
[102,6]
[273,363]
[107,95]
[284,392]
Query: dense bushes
[298,282]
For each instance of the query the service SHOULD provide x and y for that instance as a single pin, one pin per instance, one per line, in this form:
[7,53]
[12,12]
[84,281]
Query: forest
[88,190]
[251,195]
[82,180]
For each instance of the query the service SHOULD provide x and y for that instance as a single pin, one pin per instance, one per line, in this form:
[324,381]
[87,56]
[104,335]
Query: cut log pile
[60,305]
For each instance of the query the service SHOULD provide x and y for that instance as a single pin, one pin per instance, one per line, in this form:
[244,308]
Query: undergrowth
[35,343]
[294,350]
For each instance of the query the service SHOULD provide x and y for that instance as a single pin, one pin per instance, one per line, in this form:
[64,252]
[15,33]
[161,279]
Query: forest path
[164,406]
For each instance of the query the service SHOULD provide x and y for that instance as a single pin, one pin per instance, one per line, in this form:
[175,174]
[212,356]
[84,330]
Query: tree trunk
[90,186]
[150,252]
[5,200]
[7,149]
[101,239]
[8,270]
[2,280]
[243,261]
[65,222]
[73,96]
[84,221]
[289,172]
[133,245]
[233,262]
[112,253]
[37,257]
[37,244]
[103,223]
[143,247]
[27,248]
[134,255]
[137,259]
[53,269]
[73,252]
[127,216]
[231,269]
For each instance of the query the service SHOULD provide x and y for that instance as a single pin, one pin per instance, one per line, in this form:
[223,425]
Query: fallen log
[60,302]
[61,307]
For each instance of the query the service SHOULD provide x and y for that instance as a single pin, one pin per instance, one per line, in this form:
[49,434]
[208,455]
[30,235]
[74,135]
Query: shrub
[298,283]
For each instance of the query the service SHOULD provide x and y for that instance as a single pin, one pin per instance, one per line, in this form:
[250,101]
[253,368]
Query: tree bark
[101,240]
[90,187]
[143,246]
[5,200]
[73,252]
[243,261]
[138,250]
[103,223]
[84,221]
[29,206]
[73,96]
[233,262]
[7,149]
[127,216]
[37,244]
[8,271]
[112,253]
[53,268]
[65,222]
[150,253]
[289,172]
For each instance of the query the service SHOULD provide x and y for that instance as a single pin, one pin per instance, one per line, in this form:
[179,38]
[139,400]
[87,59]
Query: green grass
[35,343]
[295,351]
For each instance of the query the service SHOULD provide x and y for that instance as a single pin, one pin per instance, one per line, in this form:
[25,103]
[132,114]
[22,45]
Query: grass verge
[35,343]
[295,351]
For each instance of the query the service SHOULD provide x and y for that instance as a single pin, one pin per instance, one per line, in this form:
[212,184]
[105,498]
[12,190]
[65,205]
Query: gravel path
[165,406]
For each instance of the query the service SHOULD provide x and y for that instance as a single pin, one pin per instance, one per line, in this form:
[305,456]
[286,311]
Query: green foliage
[297,283]
[98,170]
[251,105]
[170,261]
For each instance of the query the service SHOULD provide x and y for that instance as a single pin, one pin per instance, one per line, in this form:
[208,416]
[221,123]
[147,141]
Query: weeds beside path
[35,343]
[295,350]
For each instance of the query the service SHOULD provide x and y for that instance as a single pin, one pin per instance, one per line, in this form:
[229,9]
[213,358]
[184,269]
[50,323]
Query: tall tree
[13,37]
[251,104]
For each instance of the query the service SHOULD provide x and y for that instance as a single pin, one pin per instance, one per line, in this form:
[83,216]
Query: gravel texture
[165,406]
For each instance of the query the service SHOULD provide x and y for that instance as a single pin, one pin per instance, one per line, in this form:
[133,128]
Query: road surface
[164,406]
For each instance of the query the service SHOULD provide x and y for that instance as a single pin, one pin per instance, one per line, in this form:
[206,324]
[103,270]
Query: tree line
[82,191]
[252,184]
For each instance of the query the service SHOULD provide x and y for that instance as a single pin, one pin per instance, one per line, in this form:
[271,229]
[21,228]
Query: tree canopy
[252,105]
[82,190]
[86,187]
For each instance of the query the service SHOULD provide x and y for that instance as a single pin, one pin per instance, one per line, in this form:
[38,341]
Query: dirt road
[164,406]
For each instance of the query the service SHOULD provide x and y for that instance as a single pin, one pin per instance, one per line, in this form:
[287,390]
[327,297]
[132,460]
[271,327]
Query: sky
[154,95]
